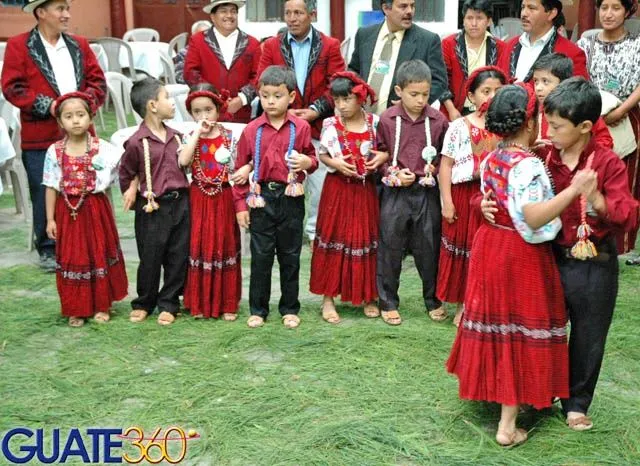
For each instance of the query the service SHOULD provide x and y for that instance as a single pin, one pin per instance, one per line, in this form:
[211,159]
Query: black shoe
[633,261]
[48,263]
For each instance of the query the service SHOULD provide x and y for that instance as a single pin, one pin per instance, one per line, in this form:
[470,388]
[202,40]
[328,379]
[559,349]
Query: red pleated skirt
[456,242]
[346,243]
[626,240]
[90,270]
[511,346]
[214,277]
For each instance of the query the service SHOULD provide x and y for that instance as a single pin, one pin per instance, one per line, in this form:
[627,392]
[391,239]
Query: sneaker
[48,263]
[633,260]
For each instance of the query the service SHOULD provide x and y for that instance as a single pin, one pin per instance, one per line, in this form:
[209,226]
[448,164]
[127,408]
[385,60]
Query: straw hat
[209,8]
[33,4]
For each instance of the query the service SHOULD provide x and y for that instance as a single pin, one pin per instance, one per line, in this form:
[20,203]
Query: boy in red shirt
[278,145]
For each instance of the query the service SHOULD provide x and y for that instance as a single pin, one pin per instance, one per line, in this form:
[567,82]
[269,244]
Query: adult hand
[305,114]
[234,104]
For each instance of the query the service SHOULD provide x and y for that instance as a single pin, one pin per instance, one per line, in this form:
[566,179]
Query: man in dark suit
[381,48]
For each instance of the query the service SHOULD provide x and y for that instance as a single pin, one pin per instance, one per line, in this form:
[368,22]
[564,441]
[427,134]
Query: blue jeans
[33,161]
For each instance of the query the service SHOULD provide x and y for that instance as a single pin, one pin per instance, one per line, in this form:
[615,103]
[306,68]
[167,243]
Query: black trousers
[33,161]
[590,290]
[409,221]
[276,229]
[162,238]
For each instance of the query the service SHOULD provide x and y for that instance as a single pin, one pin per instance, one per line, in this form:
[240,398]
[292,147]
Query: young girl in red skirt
[214,283]
[465,146]
[511,347]
[344,250]
[90,271]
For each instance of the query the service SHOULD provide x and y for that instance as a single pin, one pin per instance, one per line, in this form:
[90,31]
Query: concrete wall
[88,18]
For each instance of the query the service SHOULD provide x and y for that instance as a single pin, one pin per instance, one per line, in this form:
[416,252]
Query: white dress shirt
[62,65]
[385,90]
[227,45]
[529,53]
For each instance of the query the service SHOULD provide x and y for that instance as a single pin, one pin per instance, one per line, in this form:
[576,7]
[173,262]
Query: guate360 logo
[96,446]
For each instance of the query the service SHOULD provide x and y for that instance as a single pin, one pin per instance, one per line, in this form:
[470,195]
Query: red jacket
[28,83]
[204,63]
[325,59]
[454,51]
[509,60]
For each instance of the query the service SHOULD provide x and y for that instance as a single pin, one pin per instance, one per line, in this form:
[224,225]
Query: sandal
[505,439]
[371,310]
[229,317]
[76,322]
[255,322]
[580,424]
[290,321]
[138,315]
[391,317]
[198,316]
[102,317]
[438,315]
[329,313]
[166,318]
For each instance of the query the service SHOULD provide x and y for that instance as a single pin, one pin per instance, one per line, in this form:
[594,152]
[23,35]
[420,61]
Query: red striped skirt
[456,242]
[346,243]
[214,277]
[90,270]
[511,346]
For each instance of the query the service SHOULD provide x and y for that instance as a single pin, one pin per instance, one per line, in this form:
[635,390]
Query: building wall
[88,18]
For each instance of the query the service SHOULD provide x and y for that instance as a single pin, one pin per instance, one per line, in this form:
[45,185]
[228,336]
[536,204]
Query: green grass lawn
[360,393]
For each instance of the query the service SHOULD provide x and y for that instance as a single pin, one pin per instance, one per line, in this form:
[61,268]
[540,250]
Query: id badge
[612,84]
[382,67]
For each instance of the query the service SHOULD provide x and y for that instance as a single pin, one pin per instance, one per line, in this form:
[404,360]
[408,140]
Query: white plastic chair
[178,43]
[633,25]
[169,70]
[510,27]
[112,47]
[590,33]
[344,48]
[141,35]
[15,169]
[121,91]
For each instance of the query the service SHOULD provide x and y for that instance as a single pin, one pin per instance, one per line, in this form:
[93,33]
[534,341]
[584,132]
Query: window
[431,11]
[19,3]
[265,10]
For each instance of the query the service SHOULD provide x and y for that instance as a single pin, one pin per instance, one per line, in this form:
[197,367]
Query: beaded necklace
[85,161]
[293,189]
[365,147]
[429,153]
[198,174]
[152,204]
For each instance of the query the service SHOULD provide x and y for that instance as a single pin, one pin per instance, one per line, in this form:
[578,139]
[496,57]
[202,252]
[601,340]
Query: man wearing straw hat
[39,66]
[225,57]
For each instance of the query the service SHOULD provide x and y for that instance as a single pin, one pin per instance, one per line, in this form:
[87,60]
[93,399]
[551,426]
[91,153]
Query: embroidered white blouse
[529,183]
[330,140]
[108,157]
[457,146]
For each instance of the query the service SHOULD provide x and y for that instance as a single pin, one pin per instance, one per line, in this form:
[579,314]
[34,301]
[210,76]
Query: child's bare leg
[508,434]
[458,316]
[329,312]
